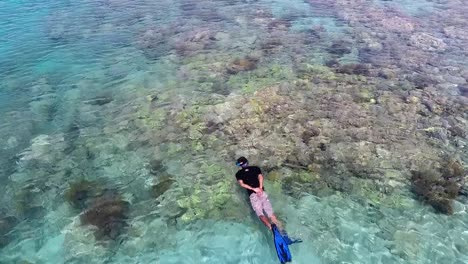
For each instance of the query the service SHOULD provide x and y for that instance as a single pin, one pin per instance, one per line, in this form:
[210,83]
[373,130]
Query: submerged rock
[156,166]
[456,32]
[34,212]
[427,42]
[353,68]
[240,65]
[100,100]
[422,81]
[153,42]
[7,223]
[398,24]
[44,148]
[406,244]
[340,48]
[271,44]
[160,188]
[458,131]
[274,175]
[463,91]
[458,207]
[191,42]
[279,24]
[310,133]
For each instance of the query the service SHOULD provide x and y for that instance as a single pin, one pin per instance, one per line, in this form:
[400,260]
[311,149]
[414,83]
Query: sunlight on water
[122,120]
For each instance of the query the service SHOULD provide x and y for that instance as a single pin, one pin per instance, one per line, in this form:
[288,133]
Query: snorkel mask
[242,165]
[242,162]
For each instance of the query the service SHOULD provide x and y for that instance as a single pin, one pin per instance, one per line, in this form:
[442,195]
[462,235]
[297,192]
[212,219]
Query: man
[251,178]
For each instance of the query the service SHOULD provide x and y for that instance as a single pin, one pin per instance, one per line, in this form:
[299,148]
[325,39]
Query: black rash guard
[249,176]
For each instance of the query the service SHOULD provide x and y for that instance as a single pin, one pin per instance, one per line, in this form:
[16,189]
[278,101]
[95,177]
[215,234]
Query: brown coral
[428,186]
[439,188]
[80,192]
[109,216]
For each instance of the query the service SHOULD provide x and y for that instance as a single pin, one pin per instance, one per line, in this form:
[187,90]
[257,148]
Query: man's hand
[258,190]
[248,187]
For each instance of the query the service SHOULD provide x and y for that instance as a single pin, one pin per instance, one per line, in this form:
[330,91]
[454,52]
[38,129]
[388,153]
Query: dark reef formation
[102,208]
[80,192]
[439,187]
[242,64]
[164,184]
[109,214]
[7,223]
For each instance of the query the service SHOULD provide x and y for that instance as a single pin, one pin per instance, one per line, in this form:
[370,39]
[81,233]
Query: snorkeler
[251,178]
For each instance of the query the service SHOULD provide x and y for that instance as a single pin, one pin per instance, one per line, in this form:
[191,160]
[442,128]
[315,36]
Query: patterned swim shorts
[260,203]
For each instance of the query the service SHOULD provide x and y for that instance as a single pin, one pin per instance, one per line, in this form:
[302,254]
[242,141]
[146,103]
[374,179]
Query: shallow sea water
[143,103]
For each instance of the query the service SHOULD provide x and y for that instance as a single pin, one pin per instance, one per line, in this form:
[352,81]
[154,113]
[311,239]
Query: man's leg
[269,211]
[265,221]
[276,222]
[256,203]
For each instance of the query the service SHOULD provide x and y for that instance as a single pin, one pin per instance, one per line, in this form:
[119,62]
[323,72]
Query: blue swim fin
[290,241]
[281,245]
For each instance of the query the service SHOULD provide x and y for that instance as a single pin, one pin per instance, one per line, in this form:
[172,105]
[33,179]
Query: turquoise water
[122,120]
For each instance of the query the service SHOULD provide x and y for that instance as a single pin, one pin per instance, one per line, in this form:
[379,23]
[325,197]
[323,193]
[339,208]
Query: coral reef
[340,99]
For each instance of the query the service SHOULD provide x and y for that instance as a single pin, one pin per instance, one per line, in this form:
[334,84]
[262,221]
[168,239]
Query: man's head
[242,162]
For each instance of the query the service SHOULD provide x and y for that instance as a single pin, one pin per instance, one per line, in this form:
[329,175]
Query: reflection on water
[121,122]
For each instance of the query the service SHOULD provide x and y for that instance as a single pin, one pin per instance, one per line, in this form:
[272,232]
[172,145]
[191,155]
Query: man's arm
[246,186]
[260,180]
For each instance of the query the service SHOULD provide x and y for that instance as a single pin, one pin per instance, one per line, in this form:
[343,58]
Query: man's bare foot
[275,221]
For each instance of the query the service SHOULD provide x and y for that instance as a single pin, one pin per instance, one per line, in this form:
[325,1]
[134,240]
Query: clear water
[145,99]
